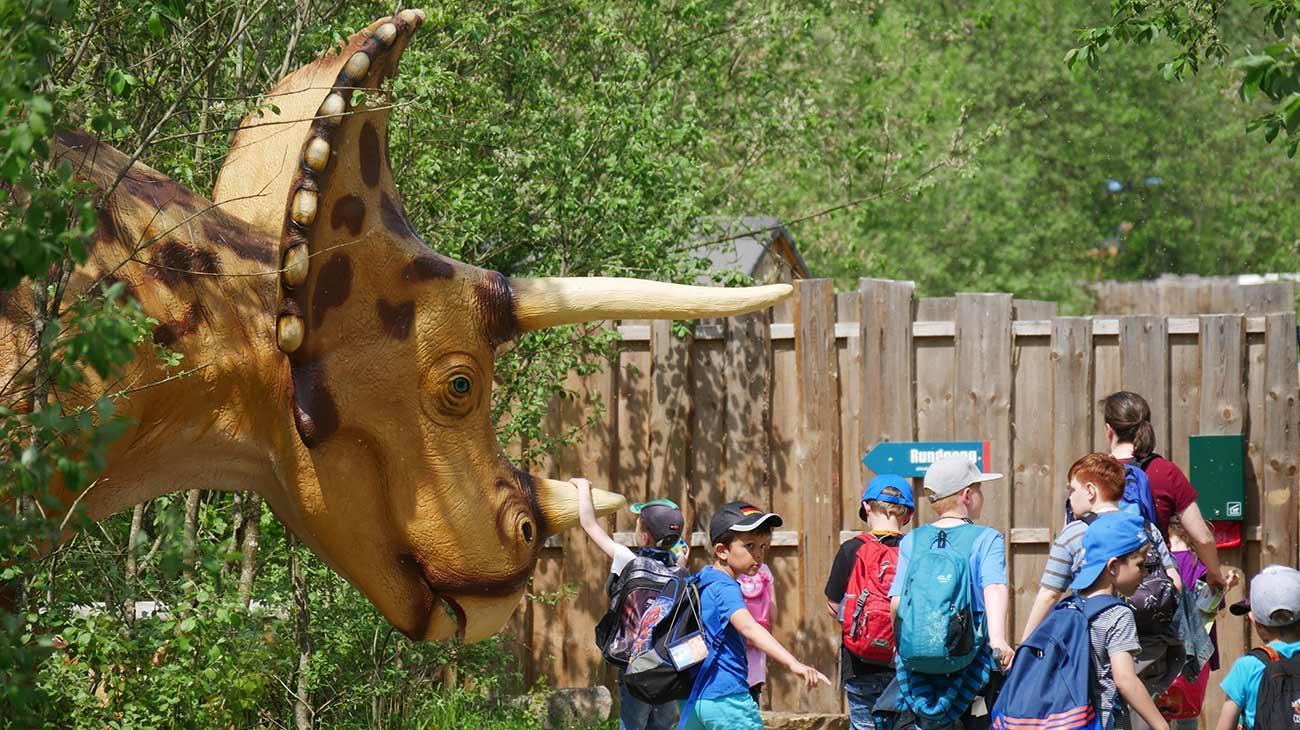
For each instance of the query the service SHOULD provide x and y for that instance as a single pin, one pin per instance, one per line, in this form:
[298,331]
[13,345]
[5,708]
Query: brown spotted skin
[373,439]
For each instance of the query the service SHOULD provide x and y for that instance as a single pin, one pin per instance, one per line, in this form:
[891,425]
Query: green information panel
[1219,475]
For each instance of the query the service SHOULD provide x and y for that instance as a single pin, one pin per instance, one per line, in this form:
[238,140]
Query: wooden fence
[1171,294]
[779,408]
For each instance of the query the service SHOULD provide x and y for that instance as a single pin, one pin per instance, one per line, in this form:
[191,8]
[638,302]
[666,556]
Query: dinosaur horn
[558,503]
[547,302]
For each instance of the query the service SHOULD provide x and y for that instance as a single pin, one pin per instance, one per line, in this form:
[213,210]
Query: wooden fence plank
[1281,426]
[818,469]
[1223,383]
[670,425]
[747,453]
[1144,367]
[887,369]
[708,420]
[1105,380]
[632,470]
[1184,396]
[936,309]
[1034,501]
[782,690]
[935,409]
[1072,411]
[983,391]
[848,305]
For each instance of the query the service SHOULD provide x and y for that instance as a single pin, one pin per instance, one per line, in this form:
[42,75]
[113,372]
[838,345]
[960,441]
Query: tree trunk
[252,533]
[230,560]
[132,565]
[189,538]
[302,709]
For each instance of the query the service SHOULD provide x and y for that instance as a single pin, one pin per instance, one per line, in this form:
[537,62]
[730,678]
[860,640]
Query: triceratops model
[340,368]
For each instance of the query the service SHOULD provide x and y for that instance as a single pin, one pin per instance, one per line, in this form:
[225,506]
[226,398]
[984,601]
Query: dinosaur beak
[547,302]
[558,502]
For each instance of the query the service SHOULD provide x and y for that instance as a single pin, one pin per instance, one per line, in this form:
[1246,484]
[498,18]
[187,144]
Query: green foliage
[1214,32]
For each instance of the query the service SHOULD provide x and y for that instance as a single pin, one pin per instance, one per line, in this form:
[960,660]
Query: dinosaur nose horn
[547,302]
[558,502]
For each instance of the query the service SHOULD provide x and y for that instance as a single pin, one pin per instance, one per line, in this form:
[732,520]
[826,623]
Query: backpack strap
[1097,605]
[1088,518]
[1266,654]
[1145,461]
[715,643]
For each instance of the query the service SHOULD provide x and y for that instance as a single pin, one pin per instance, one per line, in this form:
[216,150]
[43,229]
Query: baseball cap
[1111,535]
[890,488]
[1274,597]
[661,518]
[740,516]
[951,474]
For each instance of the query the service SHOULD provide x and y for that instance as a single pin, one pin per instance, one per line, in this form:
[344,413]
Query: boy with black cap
[1274,609]
[740,534]
[658,531]
[886,506]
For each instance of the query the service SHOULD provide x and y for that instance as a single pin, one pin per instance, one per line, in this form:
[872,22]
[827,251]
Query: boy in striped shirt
[1096,486]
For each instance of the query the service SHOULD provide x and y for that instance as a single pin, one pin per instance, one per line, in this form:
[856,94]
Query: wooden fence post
[888,371]
[817,462]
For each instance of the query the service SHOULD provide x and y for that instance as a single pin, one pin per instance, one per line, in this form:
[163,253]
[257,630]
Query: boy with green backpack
[950,600]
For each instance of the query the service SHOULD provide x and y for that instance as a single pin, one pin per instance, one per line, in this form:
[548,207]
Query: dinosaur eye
[460,385]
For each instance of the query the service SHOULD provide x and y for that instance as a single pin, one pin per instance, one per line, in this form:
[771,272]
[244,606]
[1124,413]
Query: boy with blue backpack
[720,700]
[1097,485]
[950,599]
[1077,670]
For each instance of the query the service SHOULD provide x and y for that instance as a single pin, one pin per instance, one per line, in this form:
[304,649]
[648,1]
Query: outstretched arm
[587,518]
[763,640]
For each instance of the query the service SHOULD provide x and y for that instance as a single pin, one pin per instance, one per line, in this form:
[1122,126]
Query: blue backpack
[1051,682]
[938,631]
[1137,491]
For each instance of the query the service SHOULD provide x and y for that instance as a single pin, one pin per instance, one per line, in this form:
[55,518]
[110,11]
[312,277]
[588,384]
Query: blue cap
[894,483]
[1111,535]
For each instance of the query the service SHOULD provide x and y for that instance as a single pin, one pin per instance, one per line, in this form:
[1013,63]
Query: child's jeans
[633,714]
[862,692]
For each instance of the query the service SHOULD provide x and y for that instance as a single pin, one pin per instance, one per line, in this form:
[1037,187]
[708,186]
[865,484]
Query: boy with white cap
[937,696]
[1274,609]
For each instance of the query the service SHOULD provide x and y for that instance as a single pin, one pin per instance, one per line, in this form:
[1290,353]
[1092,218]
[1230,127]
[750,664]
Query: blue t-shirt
[720,598]
[988,561]
[1242,683]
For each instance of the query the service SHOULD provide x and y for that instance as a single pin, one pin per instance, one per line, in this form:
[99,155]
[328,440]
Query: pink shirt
[760,599]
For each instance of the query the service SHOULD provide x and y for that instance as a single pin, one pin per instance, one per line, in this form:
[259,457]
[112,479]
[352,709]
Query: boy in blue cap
[1114,548]
[886,506]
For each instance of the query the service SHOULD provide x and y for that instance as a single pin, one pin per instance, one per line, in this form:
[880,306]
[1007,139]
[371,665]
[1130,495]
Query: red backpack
[866,625]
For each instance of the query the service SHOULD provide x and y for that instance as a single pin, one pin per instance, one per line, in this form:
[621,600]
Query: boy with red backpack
[857,593]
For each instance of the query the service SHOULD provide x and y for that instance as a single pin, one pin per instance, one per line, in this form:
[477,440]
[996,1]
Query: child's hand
[810,676]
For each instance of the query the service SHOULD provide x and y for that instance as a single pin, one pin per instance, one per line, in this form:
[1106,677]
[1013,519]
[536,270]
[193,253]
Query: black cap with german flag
[740,517]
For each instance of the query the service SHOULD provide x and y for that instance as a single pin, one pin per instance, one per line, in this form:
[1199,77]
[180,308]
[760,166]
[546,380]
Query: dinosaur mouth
[440,609]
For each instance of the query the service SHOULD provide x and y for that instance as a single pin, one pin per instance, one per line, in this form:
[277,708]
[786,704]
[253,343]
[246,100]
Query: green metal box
[1219,475]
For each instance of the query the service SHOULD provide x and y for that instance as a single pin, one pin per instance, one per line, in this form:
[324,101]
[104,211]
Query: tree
[1216,32]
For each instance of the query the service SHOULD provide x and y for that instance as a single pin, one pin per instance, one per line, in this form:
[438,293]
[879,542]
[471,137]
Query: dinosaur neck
[209,281]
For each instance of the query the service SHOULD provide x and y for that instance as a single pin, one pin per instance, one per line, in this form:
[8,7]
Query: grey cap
[951,474]
[1274,597]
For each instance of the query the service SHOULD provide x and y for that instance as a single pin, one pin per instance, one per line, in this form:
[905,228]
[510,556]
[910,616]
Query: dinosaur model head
[398,481]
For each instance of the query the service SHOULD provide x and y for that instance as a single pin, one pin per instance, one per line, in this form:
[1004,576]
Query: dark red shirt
[1170,490]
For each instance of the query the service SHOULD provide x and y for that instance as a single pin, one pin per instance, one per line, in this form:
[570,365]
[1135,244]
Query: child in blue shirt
[1274,609]
[720,700]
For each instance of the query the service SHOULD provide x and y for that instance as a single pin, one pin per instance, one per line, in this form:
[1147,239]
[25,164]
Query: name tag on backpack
[688,651]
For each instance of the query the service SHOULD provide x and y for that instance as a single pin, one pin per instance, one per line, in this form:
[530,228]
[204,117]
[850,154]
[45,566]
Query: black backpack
[668,645]
[630,592]
[1155,601]
[1277,705]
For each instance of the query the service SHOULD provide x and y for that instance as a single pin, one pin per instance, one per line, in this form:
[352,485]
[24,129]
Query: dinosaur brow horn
[547,302]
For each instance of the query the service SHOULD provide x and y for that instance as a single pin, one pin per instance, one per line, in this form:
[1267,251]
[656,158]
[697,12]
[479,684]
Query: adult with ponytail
[1133,439]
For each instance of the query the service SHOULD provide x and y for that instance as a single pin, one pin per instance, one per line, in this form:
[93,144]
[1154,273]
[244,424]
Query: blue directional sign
[912,458]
